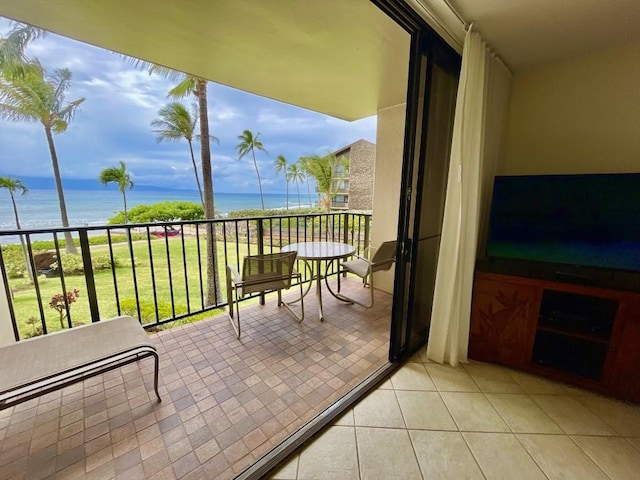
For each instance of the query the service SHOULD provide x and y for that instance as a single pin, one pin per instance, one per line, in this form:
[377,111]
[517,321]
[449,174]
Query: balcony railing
[155,272]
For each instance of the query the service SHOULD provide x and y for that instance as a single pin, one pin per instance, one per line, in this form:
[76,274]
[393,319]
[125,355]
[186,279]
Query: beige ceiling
[342,58]
[529,32]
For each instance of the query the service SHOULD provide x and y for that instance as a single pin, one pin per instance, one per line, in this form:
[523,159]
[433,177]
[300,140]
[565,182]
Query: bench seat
[31,368]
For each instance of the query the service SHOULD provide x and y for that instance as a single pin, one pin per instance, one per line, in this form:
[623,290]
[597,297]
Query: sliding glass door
[433,83]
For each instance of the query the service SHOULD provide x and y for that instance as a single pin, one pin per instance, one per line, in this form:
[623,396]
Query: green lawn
[179,269]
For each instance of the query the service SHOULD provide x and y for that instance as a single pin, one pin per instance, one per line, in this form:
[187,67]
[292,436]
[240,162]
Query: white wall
[576,116]
[386,187]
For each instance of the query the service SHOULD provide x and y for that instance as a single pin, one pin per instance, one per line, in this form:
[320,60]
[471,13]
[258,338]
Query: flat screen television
[578,220]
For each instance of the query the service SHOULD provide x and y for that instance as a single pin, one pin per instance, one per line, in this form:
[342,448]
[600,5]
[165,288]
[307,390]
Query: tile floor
[225,402]
[474,421]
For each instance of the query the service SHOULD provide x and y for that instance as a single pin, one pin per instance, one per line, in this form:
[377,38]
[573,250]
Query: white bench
[31,368]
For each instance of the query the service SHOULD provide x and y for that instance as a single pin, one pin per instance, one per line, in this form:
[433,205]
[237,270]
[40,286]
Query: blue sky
[113,124]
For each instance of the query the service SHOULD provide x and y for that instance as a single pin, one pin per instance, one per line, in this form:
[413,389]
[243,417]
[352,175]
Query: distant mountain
[47,183]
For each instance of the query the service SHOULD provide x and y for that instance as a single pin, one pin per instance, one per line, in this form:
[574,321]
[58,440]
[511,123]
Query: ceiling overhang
[342,58]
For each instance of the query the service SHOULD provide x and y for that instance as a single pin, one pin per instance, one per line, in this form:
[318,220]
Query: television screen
[582,220]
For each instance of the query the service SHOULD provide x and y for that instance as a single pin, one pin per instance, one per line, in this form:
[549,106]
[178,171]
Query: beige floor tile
[386,385]
[451,379]
[624,418]
[501,456]
[331,456]
[635,442]
[444,455]
[533,384]
[560,458]
[346,419]
[412,376]
[492,378]
[424,411]
[289,471]
[472,412]
[386,453]
[379,409]
[572,416]
[522,414]
[614,455]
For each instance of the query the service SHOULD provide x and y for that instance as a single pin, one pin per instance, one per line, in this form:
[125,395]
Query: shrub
[14,261]
[160,212]
[72,263]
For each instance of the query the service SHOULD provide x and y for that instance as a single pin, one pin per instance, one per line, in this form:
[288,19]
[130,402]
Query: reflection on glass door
[434,86]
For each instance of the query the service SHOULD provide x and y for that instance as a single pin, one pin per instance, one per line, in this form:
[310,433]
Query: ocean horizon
[40,208]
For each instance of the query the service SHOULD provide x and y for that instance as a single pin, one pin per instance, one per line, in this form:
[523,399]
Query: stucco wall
[362,165]
[576,116]
[388,172]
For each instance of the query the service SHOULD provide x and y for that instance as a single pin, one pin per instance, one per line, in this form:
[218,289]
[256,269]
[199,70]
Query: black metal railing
[156,272]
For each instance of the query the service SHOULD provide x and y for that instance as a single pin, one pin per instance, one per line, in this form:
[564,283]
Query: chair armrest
[235,276]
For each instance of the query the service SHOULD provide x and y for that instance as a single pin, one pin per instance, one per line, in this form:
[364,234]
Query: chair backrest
[384,256]
[271,271]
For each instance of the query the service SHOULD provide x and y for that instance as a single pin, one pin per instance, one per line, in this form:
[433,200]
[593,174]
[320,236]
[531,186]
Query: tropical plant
[38,97]
[250,143]
[62,303]
[295,174]
[119,176]
[327,171]
[15,185]
[281,166]
[174,123]
[192,85]
[13,62]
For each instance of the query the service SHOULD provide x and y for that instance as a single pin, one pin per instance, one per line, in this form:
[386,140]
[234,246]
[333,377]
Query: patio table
[318,252]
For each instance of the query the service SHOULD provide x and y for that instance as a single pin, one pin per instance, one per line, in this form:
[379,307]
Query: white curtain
[480,115]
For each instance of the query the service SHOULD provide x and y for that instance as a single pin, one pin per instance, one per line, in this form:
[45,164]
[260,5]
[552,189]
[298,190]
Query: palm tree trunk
[126,216]
[255,164]
[309,193]
[298,187]
[213,285]
[195,171]
[27,263]
[70,247]
[287,193]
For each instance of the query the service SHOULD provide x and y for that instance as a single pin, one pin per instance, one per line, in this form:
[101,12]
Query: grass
[168,271]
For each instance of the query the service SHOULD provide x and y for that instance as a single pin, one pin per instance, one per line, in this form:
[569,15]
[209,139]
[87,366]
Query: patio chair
[364,268]
[260,274]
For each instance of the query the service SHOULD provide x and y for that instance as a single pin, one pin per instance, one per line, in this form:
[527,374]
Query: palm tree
[192,85]
[36,97]
[304,163]
[120,176]
[326,170]
[174,123]
[295,174]
[250,143]
[281,166]
[16,185]
[13,62]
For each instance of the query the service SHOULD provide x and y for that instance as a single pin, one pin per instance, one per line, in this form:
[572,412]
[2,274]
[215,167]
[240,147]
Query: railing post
[8,328]
[260,242]
[345,217]
[88,275]
[367,227]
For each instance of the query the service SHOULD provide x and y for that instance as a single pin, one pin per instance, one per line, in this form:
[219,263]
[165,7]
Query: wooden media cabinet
[584,335]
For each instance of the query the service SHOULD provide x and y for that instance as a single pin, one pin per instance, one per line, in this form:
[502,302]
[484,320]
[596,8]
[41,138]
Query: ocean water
[40,209]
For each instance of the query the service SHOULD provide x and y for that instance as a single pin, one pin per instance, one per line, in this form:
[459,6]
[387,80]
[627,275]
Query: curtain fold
[477,135]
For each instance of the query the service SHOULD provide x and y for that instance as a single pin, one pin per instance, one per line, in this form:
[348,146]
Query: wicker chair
[262,273]
[364,268]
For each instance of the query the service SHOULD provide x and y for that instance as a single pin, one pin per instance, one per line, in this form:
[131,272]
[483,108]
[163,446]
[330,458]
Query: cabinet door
[503,321]
[625,379]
